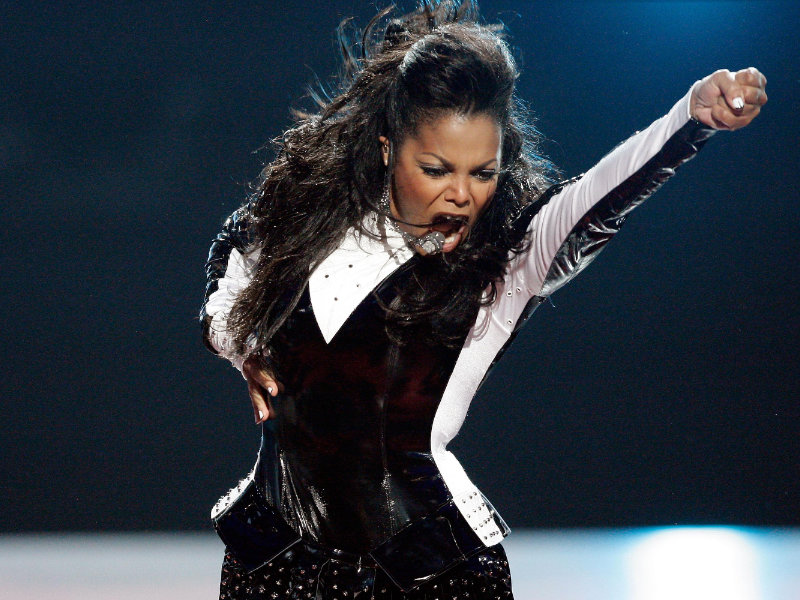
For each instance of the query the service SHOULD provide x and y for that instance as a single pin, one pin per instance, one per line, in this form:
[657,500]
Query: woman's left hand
[726,100]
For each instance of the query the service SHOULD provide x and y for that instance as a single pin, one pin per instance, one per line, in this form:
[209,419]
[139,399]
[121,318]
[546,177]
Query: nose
[459,192]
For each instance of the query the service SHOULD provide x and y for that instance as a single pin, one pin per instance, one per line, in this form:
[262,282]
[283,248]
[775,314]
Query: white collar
[340,282]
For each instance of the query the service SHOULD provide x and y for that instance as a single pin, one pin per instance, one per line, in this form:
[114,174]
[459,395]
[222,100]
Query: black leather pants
[305,573]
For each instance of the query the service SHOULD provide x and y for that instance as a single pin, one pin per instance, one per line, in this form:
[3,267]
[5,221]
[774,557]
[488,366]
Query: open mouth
[448,224]
[453,227]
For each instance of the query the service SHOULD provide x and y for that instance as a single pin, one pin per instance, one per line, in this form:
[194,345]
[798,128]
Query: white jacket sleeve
[565,232]
[218,306]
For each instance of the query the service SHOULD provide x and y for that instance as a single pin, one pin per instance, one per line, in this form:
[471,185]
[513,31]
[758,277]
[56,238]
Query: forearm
[580,216]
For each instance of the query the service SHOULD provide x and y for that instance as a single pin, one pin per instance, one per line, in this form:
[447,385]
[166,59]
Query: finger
[753,96]
[751,76]
[272,387]
[724,118]
[260,404]
[267,382]
[731,90]
[753,99]
[756,96]
[747,87]
[253,372]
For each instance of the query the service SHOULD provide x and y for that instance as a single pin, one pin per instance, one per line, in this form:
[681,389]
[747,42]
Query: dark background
[662,389]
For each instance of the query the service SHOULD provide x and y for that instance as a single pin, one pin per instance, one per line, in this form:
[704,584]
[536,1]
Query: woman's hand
[261,384]
[726,100]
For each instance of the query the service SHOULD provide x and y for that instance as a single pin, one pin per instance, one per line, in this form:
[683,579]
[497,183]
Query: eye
[485,175]
[433,171]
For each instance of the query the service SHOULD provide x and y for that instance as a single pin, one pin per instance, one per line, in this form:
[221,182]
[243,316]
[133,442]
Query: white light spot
[693,563]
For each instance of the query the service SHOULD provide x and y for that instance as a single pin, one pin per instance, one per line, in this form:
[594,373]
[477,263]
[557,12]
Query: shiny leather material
[346,463]
[347,460]
[253,528]
[256,535]
[600,224]
[305,573]
[427,547]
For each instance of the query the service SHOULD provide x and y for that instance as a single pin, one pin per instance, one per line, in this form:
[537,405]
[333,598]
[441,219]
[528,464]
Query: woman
[392,251]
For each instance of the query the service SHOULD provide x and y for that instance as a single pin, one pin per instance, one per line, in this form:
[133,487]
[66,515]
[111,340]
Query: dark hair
[328,174]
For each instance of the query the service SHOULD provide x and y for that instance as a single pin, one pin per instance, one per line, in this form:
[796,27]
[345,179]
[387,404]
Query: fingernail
[738,103]
[269,390]
[260,415]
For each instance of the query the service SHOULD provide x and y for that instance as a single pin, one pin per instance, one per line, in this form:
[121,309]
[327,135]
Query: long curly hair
[328,174]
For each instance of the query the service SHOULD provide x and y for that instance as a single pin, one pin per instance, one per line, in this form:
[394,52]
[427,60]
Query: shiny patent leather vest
[346,461]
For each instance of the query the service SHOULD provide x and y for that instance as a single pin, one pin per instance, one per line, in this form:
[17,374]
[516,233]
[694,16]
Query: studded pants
[303,573]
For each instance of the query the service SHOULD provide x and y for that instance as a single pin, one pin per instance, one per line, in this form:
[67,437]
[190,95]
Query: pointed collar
[341,281]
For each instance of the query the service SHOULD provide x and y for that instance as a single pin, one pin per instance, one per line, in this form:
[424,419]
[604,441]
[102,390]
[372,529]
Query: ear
[385,144]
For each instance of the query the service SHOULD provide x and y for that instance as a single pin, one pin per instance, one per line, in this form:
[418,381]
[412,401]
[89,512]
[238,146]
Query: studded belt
[256,534]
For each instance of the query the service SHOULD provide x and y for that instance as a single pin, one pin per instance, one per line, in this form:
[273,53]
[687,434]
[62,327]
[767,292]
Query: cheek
[486,197]
[415,193]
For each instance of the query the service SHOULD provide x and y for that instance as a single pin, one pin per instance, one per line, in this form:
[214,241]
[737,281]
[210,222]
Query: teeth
[450,238]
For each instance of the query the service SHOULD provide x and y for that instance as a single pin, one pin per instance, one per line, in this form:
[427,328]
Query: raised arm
[574,220]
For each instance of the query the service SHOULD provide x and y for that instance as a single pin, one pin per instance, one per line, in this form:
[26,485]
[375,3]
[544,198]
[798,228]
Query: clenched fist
[726,100]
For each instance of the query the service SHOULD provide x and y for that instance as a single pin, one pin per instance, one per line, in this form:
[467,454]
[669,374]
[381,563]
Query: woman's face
[446,175]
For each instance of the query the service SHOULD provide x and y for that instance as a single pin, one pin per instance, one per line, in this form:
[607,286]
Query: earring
[384,203]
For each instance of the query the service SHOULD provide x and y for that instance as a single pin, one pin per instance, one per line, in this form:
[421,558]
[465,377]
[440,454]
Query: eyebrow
[449,165]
